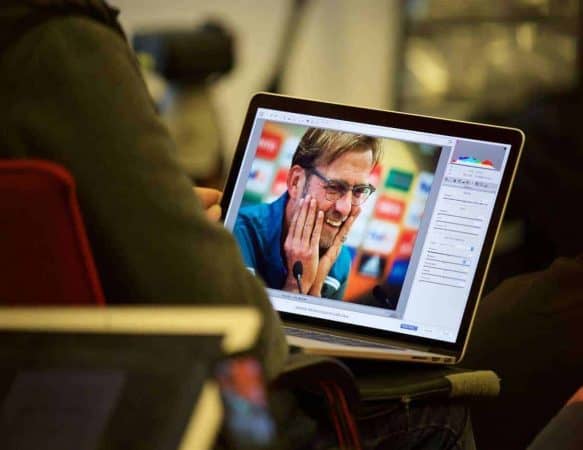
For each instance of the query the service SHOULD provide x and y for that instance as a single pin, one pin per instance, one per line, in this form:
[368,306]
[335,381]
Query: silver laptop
[372,230]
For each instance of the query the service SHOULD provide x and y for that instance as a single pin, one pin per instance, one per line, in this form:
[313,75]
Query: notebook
[402,279]
[117,377]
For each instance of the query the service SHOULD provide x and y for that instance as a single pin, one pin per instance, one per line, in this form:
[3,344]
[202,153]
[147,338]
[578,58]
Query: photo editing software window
[410,258]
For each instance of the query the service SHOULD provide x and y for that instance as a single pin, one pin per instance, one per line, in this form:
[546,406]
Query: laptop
[119,377]
[409,273]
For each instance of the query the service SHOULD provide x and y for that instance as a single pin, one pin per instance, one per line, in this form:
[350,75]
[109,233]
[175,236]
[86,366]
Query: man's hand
[302,243]
[329,258]
[211,202]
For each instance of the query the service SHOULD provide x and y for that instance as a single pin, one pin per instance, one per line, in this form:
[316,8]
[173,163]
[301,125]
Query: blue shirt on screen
[258,230]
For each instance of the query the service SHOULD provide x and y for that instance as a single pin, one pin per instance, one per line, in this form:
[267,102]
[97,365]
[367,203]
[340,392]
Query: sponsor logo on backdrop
[287,150]
[415,213]
[280,182]
[372,265]
[380,236]
[269,145]
[398,272]
[399,180]
[388,208]
[405,245]
[424,182]
[260,177]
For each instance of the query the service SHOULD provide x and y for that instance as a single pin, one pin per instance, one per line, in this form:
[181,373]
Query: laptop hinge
[365,337]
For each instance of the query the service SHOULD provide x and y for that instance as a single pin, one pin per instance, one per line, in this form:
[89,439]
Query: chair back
[45,257]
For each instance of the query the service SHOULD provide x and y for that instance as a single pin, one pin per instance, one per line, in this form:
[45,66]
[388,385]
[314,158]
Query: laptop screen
[409,260]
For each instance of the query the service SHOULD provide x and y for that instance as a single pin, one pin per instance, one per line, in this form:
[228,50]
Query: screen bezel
[447,127]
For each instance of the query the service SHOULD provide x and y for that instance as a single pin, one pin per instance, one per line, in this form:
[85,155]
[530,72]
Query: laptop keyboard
[334,339]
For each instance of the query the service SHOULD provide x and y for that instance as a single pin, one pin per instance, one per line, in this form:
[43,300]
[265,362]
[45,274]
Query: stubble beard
[326,240]
[327,235]
[328,232]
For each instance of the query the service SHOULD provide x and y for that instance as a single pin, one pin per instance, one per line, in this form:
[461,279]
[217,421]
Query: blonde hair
[319,146]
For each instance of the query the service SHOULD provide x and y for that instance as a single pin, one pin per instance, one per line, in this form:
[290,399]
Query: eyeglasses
[336,189]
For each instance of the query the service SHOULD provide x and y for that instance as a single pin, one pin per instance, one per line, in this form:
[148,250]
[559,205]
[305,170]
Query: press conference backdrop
[381,240]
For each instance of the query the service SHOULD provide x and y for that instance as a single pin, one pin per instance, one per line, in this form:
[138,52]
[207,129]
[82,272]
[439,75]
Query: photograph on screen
[370,193]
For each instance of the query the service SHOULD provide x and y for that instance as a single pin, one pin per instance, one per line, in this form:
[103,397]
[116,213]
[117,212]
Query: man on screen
[326,185]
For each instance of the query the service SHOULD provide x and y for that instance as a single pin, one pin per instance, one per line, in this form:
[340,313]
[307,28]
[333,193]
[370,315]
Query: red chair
[45,257]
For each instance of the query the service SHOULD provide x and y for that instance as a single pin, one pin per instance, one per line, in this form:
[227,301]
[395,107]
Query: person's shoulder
[250,222]
[253,211]
[345,256]
[261,214]
[341,267]
[251,217]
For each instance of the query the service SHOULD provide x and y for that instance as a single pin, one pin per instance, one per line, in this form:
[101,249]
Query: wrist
[316,290]
[291,284]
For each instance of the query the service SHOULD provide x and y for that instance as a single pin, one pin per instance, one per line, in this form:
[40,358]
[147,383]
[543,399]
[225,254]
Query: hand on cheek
[302,243]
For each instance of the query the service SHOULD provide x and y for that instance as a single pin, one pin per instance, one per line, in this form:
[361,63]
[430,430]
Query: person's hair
[319,146]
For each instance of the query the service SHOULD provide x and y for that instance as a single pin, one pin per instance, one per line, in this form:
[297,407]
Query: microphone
[381,295]
[298,270]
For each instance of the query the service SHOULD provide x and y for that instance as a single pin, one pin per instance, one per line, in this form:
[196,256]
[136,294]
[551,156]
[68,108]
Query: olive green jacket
[72,92]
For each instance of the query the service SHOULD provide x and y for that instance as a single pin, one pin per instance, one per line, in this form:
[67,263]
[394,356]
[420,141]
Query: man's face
[352,168]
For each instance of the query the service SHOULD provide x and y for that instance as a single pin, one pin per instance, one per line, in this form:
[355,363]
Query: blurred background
[508,62]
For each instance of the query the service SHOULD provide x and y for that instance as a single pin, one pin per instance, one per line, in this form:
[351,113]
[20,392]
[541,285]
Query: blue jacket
[72,92]
[258,230]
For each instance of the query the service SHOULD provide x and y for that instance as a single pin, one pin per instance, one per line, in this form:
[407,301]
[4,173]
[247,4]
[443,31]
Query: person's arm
[77,98]
[565,430]
[210,200]
[541,312]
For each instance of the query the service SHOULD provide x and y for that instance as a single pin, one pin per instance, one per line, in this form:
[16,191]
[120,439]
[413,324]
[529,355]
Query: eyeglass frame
[344,184]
